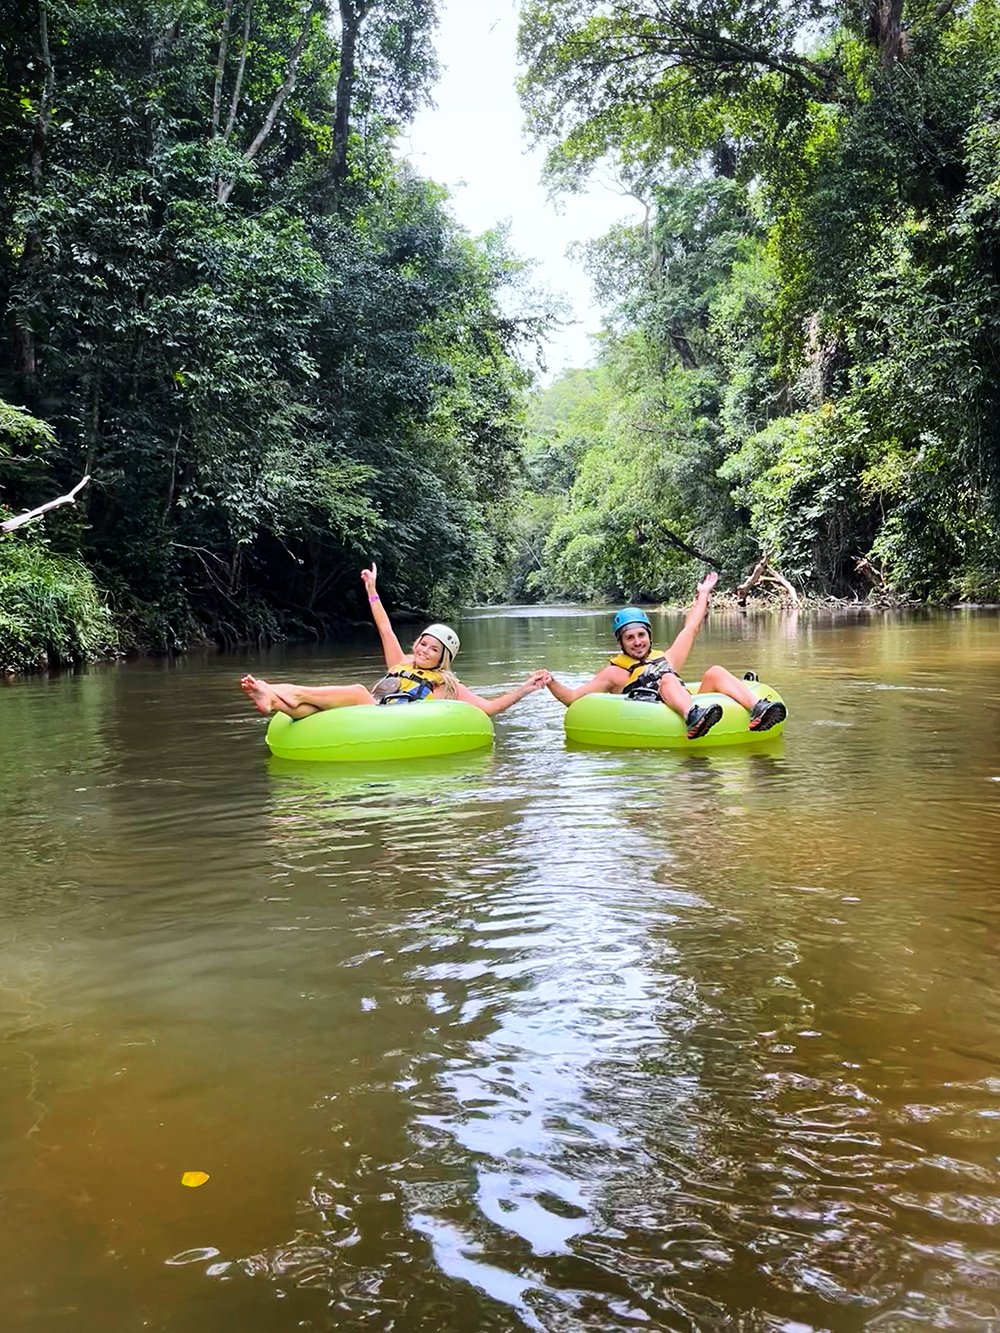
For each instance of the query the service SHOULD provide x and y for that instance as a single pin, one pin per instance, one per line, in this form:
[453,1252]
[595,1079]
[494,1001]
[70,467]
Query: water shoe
[767,713]
[700,720]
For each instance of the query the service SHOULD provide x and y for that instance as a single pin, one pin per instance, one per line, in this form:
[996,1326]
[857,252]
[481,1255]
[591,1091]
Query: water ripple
[539,1038]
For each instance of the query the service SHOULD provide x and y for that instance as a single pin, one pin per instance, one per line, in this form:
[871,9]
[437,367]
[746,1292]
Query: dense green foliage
[803,358]
[51,611]
[279,358]
[267,341]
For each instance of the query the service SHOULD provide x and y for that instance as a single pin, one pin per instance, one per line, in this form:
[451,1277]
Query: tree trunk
[225,188]
[23,337]
[885,27]
[352,16]
[682,346]
[238,86]
[220,68]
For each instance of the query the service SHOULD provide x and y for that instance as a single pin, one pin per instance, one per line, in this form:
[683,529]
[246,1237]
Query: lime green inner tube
[366,731]
[611,719]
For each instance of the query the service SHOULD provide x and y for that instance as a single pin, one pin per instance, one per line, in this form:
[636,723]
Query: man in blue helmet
[647,674]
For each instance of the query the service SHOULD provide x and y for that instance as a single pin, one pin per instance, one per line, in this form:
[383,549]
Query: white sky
[472,142]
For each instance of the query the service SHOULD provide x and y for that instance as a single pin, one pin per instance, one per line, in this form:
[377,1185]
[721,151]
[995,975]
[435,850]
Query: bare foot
[260,692]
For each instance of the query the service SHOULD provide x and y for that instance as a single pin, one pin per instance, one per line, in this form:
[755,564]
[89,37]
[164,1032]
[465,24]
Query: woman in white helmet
[423,673]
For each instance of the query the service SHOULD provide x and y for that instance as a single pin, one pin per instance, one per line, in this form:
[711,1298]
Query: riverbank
[54,616]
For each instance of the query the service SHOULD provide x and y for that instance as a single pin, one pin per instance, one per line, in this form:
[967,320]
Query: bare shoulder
[610,676]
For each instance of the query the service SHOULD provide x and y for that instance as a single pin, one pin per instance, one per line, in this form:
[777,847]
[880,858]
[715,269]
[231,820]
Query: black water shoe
[767,713]
[700,720]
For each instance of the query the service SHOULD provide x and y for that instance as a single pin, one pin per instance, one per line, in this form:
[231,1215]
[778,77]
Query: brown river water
[538,1038]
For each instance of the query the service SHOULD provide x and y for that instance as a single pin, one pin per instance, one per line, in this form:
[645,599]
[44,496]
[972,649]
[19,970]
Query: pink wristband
[375,598]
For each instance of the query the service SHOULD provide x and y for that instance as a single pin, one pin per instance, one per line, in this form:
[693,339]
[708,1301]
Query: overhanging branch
[9,524]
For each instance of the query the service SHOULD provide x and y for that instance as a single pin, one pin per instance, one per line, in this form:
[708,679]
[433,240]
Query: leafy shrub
[51,609]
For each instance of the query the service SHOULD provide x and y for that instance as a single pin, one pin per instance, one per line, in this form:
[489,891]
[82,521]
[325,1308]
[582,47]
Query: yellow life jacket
[643,674]
[406,684]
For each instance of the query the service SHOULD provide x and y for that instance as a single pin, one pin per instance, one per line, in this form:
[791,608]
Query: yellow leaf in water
[194,1178]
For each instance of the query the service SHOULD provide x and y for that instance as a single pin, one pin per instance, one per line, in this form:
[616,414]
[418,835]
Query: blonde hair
[450,682]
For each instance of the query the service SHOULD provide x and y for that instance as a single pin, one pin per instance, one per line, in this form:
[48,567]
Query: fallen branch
[9,524]
[762,572]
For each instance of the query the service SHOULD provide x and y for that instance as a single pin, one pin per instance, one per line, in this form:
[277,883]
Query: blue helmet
[630,615]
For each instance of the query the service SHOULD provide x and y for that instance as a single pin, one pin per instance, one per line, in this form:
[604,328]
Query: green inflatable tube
[611,719]
[366,732]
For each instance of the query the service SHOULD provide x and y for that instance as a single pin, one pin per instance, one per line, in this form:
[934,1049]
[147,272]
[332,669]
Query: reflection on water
[537,1038]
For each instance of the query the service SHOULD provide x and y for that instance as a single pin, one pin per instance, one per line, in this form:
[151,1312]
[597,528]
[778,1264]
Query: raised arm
[603,683]
[677,653]
[391,650]
[493,706]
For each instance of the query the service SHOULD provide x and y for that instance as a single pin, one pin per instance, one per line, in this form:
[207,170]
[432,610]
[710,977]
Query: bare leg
[699,719]
[764,713]
[298,700]
[322,697]
[675,695]
[717,680]
[269,698]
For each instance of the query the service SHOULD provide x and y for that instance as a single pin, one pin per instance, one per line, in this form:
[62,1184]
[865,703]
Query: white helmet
[447,637]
